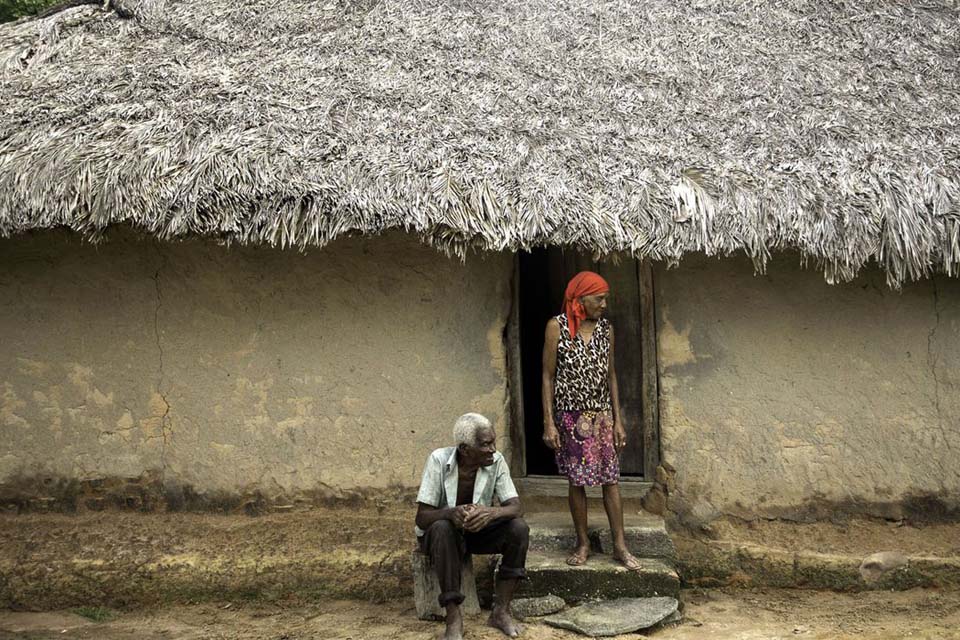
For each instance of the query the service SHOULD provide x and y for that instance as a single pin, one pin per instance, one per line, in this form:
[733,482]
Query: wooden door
[543,277]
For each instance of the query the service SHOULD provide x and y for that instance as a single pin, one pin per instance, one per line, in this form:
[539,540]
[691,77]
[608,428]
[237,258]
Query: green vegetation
[97,614]
[12,9]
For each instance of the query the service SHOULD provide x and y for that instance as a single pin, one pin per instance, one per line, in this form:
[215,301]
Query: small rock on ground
[614,617]
[530,607]
[874,566]
[674,618]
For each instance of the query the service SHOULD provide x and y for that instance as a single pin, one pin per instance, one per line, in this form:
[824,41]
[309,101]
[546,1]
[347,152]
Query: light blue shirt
[441,477]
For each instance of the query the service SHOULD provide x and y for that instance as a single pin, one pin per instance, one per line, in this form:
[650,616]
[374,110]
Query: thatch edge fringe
[910,238]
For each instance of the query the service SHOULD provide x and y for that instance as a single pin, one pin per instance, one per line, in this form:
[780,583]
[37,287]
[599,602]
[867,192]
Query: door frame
[650,383]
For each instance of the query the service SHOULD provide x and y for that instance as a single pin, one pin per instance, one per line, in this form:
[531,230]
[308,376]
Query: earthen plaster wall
[784,396]
[239,369]
[254,369]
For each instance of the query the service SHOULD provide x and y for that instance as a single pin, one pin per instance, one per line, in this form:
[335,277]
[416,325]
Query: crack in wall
[165,418]
[932,359]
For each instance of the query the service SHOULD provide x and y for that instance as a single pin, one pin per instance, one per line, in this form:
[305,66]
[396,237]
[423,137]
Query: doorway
[542,276]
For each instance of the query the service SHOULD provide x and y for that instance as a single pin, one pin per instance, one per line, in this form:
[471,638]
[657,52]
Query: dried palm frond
[655,128]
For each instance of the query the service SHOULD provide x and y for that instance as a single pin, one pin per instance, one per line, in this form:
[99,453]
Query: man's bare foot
[627,559]
[454,630]
[500,618]
[579,556]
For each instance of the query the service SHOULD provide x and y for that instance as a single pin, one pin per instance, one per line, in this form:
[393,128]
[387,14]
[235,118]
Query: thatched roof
[657,127]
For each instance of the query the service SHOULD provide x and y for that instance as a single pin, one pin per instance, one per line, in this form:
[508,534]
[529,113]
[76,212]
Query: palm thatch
[658,127]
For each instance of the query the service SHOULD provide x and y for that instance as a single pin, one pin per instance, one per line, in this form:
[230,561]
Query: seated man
[456,516]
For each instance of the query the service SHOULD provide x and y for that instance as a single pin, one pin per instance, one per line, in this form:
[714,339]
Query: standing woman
[581,408]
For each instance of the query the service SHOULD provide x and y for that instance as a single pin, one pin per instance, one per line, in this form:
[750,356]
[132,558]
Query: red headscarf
[585,283]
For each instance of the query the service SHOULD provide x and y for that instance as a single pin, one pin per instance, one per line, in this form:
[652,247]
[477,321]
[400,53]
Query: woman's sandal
[578,558]
[629,561]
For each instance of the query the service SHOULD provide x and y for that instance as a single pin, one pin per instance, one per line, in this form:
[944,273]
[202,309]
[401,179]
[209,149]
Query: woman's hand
[619,437]
[551,437]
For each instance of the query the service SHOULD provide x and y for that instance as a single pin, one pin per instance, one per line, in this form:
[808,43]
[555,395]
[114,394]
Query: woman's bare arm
[619,431]
[551,437]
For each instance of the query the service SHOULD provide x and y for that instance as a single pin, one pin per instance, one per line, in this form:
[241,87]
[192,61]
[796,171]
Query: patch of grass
[96,614]
[12,9]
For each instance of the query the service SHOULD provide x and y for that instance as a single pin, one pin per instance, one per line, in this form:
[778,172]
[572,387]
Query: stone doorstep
[646,536]
[601,578]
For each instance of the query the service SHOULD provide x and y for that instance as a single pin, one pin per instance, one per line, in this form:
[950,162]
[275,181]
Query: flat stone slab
[524,608]
[602,578]
[614,617]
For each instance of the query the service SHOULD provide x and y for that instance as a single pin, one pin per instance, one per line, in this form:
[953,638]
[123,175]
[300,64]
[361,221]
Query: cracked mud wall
[243,369]
[783,396]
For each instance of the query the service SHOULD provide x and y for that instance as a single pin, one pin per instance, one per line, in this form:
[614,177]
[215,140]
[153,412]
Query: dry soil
[744,615]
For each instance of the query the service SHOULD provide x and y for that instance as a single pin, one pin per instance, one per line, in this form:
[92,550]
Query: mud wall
[242,369]
[783,396]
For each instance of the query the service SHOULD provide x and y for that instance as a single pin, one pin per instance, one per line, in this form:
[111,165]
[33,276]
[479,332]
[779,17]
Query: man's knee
[515,550]
[441,529]
[518,530]
[441,526]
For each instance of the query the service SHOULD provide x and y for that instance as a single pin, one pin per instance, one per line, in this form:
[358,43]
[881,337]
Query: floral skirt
[587,456]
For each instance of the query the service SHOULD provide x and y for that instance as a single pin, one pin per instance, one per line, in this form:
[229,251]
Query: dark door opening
[544,274]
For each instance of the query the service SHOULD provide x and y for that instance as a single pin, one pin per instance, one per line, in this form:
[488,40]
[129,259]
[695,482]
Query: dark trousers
[446,545]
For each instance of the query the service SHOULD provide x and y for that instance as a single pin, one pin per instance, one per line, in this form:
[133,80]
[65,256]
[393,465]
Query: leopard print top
[582,378]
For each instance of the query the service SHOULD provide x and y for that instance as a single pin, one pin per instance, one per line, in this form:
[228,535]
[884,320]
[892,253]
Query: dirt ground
[321,573]
[128,561]
[125,560]
[744,615]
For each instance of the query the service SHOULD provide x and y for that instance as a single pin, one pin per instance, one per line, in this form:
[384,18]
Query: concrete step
[601,577]
[646,534]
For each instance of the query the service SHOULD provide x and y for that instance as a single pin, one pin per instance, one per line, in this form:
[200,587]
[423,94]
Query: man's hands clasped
[459,515]
[473,517]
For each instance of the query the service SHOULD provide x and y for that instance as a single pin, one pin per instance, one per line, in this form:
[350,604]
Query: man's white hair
[466,430]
